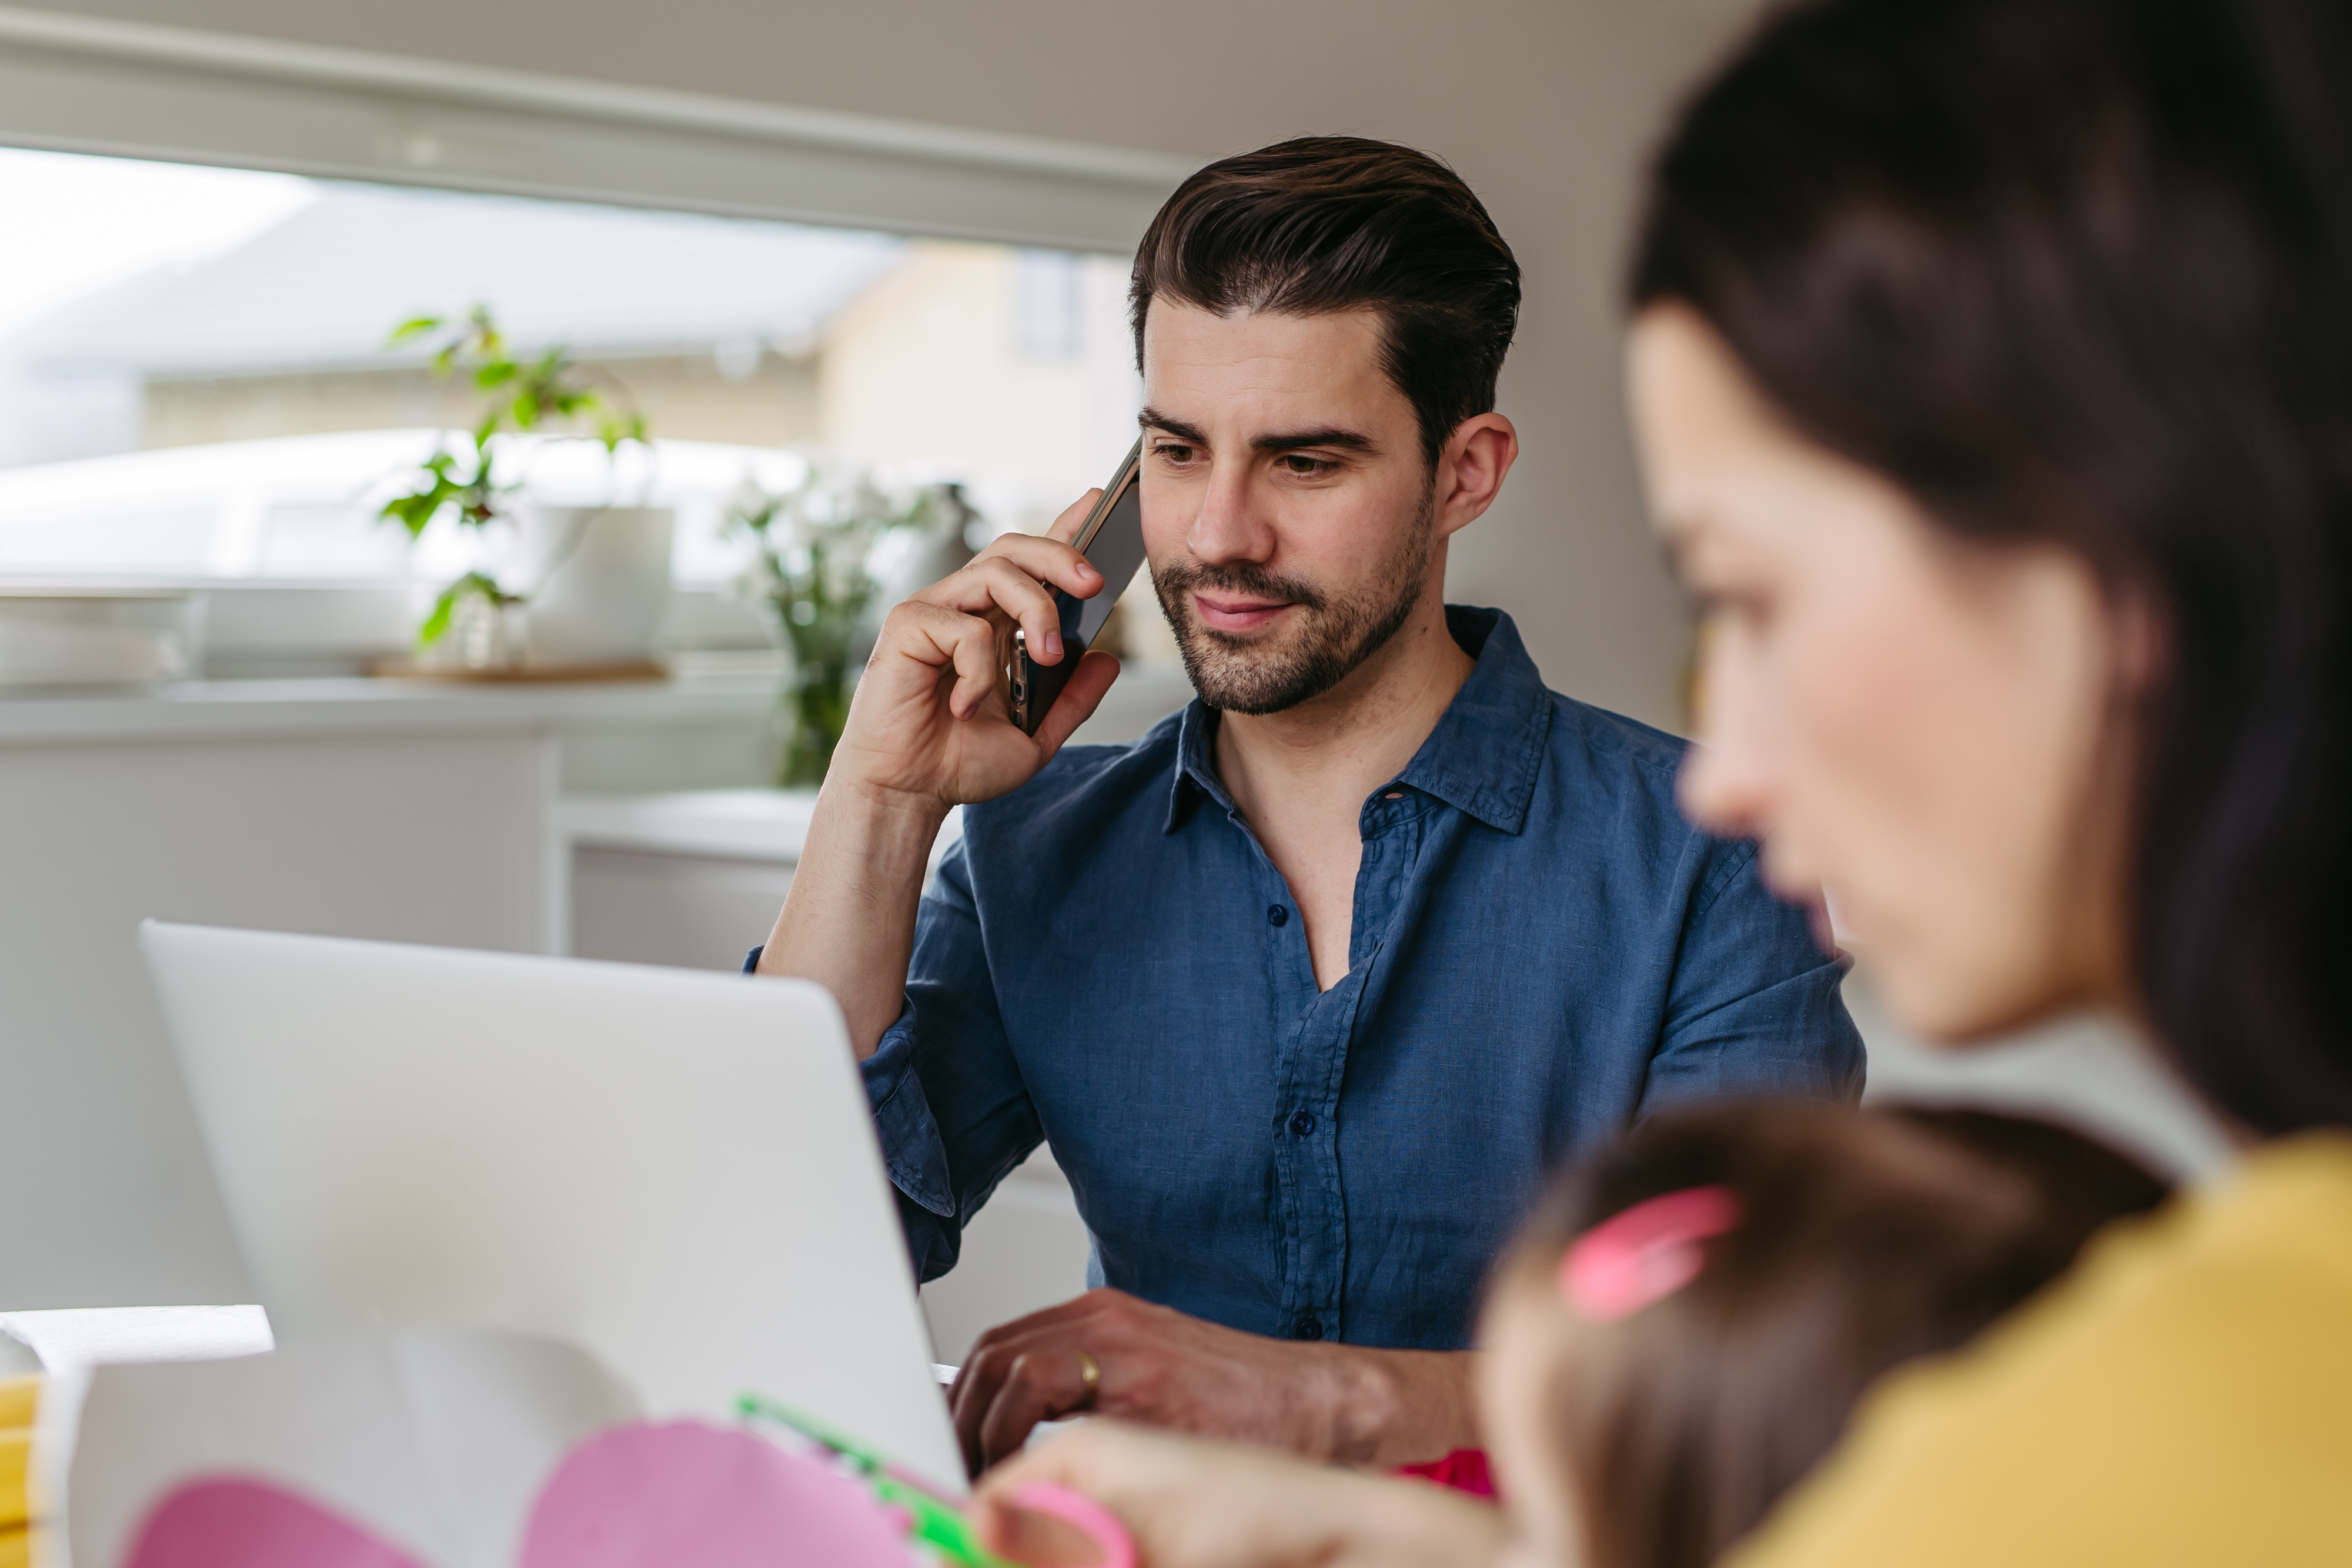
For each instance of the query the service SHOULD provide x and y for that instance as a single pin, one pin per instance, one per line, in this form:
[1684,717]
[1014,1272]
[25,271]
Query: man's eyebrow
[1152,419]
[1288,441]
[1346,440]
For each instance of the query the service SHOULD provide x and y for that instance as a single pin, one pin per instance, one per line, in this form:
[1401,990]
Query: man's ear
[1471,470]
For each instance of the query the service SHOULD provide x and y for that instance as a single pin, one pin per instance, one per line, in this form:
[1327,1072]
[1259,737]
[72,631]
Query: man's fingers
[1047,560]
[943,638]
[1095,1322]
[975,668]
[984,1373]
[1042,1383]
[1074,516]
[1019,584]
[1089,684]
[1029,602]
[1015,1379]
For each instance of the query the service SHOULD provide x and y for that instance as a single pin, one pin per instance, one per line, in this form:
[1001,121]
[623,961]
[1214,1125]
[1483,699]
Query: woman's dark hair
[1325,223]
[2080,271]
[1865,1239]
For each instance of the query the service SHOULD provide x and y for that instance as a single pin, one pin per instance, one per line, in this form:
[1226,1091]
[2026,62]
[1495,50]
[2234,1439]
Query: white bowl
[61,634]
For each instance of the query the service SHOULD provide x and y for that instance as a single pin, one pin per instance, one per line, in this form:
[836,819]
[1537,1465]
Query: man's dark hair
[1865,1239]
[1325,224]
[2079,272]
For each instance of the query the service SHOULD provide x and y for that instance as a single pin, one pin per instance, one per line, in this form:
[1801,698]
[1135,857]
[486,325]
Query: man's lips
[1223,614]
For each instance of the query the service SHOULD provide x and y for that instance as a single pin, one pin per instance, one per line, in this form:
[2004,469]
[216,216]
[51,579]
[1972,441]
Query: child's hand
[1194,1504]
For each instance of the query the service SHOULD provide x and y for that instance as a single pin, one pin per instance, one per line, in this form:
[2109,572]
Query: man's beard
[1238,674]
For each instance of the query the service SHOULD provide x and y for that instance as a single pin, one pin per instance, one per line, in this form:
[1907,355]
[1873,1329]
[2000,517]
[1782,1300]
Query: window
[194,386]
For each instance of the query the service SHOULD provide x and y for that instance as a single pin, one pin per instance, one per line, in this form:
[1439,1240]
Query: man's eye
[1305,467]
[1173,452]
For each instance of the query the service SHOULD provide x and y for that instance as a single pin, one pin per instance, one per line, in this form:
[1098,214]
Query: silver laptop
[675,1170]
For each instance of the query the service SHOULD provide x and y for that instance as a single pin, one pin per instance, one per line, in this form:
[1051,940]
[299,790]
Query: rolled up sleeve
[950,1104]
[1754,1007]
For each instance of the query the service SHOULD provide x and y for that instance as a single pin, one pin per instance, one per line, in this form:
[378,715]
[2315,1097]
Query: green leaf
[497,373]
[414,327]
[436,626]
[409,512]
[472,585]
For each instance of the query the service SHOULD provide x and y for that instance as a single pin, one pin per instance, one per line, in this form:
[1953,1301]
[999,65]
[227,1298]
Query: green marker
[937,1522]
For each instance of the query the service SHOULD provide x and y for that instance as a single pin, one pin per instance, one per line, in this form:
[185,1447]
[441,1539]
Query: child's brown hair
[1857,1241]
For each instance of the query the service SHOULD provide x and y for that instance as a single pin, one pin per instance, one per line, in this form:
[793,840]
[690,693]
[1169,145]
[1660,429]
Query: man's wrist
[850,912]
[882,812]
[1390,1408]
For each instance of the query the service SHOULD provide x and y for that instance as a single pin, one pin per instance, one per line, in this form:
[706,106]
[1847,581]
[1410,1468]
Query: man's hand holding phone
[928,730]
[929,723]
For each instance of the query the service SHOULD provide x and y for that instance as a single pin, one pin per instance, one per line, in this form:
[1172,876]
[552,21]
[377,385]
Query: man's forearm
[1391,1407]
[849,920]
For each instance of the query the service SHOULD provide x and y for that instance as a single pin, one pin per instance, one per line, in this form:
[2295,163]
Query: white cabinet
[399,811]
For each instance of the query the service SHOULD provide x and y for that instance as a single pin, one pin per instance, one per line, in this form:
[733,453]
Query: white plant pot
[597,581]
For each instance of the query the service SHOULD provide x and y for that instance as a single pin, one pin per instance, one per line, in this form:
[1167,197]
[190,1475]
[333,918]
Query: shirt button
[1302,1122]
[1276,915]
[1307,1329]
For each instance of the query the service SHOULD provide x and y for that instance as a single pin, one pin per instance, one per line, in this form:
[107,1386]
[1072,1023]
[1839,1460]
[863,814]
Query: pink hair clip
[1645,1253]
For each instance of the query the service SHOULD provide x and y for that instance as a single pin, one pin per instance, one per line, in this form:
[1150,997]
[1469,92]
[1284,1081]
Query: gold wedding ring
[1090,1379]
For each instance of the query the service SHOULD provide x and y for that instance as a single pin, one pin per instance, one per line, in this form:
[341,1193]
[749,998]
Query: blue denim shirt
[1543,949]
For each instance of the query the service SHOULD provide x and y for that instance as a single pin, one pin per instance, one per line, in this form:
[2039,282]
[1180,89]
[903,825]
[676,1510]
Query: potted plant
[592,583]
[823,552]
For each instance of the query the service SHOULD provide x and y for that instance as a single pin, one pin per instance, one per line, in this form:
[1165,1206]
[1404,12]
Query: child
[1683,1330]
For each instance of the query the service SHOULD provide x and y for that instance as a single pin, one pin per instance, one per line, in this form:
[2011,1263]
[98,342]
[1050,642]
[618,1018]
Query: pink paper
[644,1496]
[229,1521]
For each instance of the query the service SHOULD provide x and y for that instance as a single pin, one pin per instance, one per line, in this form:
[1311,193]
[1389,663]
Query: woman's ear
[2142,642]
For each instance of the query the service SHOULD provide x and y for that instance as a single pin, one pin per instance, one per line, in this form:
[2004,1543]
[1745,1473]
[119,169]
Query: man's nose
[1231,523]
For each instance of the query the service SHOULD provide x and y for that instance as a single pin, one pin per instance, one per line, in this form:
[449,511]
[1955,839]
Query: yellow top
[18,1397]
[2184,1396]
[16,1448]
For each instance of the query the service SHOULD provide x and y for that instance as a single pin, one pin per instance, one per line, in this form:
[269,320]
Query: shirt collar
[1481,758]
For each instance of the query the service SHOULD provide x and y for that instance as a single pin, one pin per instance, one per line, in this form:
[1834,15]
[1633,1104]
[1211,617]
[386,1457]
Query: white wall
[1545,107]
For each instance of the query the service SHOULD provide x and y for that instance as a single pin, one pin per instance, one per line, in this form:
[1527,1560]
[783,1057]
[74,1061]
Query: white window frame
[137,89]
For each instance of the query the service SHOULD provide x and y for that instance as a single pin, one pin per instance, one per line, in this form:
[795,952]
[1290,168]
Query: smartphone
[1111,538]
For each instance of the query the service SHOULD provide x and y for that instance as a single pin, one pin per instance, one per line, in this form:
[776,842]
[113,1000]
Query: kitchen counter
[214,709]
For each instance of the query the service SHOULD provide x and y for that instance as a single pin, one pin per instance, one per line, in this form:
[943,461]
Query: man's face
[1287,506]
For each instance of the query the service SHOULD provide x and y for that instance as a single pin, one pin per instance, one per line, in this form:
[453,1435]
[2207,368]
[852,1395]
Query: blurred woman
[1991,366]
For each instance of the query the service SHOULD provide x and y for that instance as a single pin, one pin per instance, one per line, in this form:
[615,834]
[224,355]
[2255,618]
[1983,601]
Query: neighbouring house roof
[321,289]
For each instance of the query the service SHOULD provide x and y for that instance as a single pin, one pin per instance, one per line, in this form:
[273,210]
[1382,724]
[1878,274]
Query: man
[1309,987]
